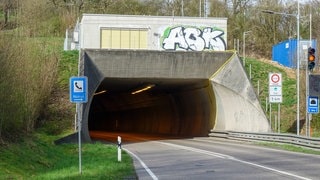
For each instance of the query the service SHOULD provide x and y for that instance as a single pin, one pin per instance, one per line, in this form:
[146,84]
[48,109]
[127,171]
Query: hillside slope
[259,73]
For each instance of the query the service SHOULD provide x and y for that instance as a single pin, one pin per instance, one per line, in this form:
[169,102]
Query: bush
[27,77]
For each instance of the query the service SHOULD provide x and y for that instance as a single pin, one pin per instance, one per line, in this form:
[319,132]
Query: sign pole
[307,95]
[78,95]
[279,118]
[79,138]
[270,109]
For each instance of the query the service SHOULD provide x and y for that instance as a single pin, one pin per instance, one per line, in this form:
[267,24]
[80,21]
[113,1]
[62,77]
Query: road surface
[158,157]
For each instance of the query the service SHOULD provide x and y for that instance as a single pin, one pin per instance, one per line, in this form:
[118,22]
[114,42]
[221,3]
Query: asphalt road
[209,158]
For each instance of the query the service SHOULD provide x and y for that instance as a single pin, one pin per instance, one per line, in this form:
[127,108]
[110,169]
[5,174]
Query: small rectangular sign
[275,90]
[79,89]
[313,104]
[314,84]
[275,99]
[313,110]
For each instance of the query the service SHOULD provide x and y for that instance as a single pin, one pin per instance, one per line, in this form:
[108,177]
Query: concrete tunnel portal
[182,93]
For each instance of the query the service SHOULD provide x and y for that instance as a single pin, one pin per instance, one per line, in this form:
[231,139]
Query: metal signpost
[275,94]
[79,94]
[298,58]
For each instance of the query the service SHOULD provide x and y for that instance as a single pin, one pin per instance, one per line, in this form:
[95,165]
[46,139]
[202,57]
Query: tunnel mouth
[190,93]
[173,107]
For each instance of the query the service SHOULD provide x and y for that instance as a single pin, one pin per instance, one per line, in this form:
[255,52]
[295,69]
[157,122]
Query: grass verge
[36,157]
[289,147]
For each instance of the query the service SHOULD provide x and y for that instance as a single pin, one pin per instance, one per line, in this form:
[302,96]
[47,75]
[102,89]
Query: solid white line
[223,156]
[154,177]
[271,169]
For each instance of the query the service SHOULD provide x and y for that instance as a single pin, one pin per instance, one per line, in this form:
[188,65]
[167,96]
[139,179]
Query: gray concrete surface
[193,93]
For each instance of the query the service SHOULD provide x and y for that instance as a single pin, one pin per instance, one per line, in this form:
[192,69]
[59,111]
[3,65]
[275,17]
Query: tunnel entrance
[179,107]
[187,93]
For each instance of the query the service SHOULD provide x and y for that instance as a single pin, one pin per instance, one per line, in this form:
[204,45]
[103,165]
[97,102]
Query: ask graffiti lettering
[193,39]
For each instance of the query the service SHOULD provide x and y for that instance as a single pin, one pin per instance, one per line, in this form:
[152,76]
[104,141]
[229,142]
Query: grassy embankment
[36,157]
[259,71]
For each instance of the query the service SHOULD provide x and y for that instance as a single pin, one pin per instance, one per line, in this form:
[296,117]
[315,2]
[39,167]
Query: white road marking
[153,176]
[223,156]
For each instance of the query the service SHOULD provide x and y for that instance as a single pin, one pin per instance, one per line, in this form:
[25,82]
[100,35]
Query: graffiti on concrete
[193,39]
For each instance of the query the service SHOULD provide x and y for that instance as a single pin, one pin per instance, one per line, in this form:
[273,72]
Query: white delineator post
[119,149]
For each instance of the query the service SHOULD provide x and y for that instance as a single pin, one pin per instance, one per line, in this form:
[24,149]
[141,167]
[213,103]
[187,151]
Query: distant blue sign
[313,104]
[79,89]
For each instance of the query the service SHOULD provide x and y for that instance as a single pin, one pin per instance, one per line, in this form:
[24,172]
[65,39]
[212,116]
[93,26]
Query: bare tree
[8,8]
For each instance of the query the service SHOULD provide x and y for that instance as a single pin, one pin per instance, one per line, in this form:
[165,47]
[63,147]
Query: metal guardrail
[313,143]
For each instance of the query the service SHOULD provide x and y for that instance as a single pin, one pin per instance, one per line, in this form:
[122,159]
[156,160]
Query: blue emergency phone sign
[78,89]
[313,104]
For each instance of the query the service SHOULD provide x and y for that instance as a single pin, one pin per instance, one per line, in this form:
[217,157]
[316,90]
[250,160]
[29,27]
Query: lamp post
[308,124]
[244,47]
[298,58]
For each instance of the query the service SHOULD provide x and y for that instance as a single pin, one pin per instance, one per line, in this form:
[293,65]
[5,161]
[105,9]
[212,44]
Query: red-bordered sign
[275,79]
[275,88]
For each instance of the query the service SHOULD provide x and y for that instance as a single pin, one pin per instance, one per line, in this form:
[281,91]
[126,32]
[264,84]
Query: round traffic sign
[275,78]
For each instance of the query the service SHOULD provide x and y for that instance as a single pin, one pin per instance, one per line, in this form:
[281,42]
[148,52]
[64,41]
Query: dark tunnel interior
[180,107]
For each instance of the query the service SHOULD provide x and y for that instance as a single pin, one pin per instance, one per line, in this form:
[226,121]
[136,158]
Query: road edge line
[154,177]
